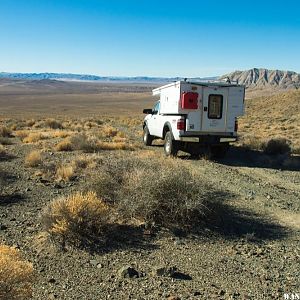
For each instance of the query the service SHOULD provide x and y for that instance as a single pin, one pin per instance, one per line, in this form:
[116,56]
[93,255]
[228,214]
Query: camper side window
[215,106]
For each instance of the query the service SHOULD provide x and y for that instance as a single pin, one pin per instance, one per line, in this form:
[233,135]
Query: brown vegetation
[64,145]
[54,124]
[16,275]
[34,137]
[33,159]
[65,173]
[154,191]
[5,131]
[270,117]
[76,218]
[2,151]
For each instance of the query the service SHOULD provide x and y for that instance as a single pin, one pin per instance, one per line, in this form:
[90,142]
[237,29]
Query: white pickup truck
[195,117]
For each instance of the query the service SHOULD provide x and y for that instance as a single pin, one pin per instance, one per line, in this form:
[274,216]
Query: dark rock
[164,271]
[128,272]
[51,280]
[3,227]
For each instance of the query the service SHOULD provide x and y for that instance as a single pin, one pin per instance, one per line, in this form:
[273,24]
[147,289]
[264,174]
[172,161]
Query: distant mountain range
[253,79]
[264,79]
[82,77]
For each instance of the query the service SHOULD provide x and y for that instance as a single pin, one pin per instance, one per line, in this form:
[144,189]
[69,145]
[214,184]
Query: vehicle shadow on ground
[232,223]
[241,157]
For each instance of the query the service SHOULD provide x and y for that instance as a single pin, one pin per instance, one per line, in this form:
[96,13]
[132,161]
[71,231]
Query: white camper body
[202,112]
[198,119]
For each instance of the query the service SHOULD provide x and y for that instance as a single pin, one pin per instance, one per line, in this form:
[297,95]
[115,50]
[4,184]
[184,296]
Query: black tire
[147,137]
[219,151]
[170,146]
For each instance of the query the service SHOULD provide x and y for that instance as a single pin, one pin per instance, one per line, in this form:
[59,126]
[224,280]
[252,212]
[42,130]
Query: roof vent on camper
[189,100]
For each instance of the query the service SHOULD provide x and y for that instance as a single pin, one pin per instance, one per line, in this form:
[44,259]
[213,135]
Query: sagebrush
[16,275]
[79,218]
[164,193]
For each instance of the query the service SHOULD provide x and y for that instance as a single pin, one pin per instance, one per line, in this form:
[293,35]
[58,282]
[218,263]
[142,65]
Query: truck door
[214,109]
[154,123]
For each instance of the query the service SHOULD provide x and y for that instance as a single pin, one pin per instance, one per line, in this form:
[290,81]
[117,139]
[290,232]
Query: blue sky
[153,38]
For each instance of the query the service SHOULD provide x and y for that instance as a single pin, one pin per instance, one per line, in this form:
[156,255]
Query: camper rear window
[215,106]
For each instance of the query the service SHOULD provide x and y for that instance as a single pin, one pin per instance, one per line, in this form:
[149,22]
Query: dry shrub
[251,142]
[76,219]
[54,124]
[277,146]
[5,131]
[2,151]
[82,142]
[34,137]
[109,131]
[16,275]
[61,134]
[113,146]
[5,141]
[164,193]
[30,123]
[65,145]
[82,163]
[22,134]
[65,173]
[120,137]
[33,159]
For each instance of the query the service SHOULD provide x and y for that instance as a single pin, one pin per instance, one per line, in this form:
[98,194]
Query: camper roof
[200,83]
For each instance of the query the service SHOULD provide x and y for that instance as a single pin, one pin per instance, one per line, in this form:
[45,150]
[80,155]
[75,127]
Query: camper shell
[195,112]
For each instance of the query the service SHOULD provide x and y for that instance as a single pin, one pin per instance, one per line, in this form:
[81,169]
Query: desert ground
[73,152]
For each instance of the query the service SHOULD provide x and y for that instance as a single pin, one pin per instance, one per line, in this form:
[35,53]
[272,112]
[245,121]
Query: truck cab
[195,117]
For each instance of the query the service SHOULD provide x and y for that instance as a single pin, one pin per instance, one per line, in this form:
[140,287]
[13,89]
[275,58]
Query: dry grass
[65,173]
[5,131]
[53,124]
[272,116]
[61,134]
[34,137]
[16,275]
[113,146]
[30,123]
[108,131]
[155,191]
[5,141]
[76,219]
[83,163]
[2,151]
[33,159]
[84,143]
[21,133]
[64,145]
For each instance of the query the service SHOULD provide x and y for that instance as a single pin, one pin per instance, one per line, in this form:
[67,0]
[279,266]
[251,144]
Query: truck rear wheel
[170,145]
[147,137]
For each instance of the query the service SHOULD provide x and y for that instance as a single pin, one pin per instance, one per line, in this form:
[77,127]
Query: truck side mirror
[147,111]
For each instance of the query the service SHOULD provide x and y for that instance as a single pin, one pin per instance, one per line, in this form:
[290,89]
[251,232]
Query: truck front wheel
[170,145]
[147,137]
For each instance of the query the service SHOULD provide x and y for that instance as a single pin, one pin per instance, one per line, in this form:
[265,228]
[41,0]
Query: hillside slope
[264,78]
[275,115]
